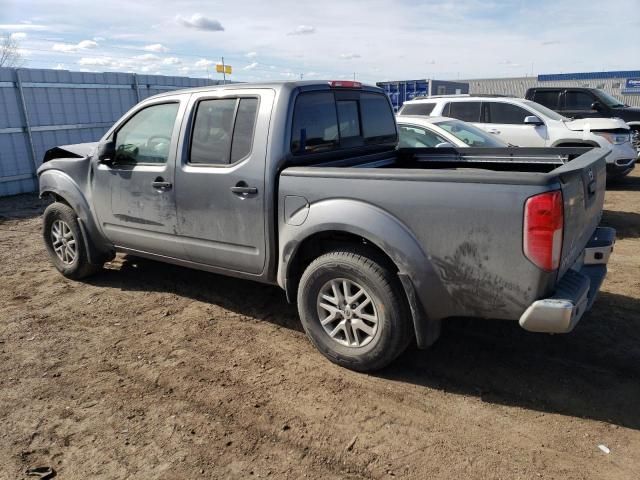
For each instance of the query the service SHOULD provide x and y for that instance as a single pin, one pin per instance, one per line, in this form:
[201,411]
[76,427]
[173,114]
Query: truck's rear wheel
[65,242]
[353,309]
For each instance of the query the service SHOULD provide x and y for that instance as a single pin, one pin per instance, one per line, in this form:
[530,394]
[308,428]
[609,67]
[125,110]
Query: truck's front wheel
[353,309]
[65,243]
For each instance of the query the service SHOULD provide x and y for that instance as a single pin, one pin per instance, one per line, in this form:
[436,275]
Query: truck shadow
[594,372]
[627,224]
[628,184]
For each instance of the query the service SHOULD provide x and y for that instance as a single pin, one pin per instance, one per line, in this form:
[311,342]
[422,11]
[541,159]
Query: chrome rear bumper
[576,290]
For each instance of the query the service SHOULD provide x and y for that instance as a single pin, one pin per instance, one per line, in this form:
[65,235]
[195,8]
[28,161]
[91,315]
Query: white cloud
[23,26]
[60,66]
[203,63]
[303,30]
[171,61]
[251,55]
[96,61]
[156,47]
[349,56]
[147,57]
[251,66]
[18,36]
[200,22]
[74,47]
[86,44]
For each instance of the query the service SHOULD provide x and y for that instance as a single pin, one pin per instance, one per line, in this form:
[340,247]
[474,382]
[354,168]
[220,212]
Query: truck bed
[466,209]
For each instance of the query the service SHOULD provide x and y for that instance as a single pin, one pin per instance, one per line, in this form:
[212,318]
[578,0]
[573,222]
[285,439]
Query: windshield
[472,136]
[544,110]
[608,99]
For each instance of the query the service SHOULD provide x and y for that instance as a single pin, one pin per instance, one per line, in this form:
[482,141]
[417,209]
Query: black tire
[394,326]
[79,267]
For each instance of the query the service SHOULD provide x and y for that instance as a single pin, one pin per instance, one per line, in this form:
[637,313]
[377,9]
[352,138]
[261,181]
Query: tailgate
[583,183]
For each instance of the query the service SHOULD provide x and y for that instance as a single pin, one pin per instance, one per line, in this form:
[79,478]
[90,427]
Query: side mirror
[533,120]
[107,152]
[596,106]
[445,145]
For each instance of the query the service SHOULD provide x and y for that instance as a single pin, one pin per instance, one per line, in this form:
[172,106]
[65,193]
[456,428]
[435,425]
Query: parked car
[528,124]
[300,184]
[583,102]
[415,131]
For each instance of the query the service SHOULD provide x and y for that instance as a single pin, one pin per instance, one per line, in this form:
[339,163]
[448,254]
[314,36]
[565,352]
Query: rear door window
[244,128]
[328,120]
[417,109]
[223,130]
[548,98]
[505,113]
[465,111]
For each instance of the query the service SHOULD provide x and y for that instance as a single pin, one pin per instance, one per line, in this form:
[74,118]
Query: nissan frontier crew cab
[301,184]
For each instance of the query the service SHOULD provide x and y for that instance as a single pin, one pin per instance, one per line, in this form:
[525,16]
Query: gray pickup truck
[301,184]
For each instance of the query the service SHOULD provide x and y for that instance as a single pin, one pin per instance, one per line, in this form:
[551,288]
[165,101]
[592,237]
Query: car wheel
[352,308]
[65,242]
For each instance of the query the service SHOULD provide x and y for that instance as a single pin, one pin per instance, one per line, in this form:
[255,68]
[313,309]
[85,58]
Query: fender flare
[586,143]
[62,185]
[416,272]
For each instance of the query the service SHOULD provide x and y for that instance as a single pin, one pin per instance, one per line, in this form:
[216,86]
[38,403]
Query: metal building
[625,85]
[40,109]
[402,90]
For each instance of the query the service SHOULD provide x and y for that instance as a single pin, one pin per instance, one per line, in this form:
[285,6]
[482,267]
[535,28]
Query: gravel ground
[154,371]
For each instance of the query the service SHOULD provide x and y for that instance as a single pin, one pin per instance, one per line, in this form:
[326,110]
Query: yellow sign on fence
[223,69]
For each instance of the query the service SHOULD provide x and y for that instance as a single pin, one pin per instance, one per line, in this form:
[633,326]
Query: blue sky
[375,40]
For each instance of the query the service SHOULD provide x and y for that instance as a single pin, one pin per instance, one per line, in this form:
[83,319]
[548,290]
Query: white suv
[528,124]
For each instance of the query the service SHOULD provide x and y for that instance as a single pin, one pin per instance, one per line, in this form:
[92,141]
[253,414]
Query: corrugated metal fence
[40,109]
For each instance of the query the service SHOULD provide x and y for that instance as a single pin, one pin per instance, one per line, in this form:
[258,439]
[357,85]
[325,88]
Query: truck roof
[276,85]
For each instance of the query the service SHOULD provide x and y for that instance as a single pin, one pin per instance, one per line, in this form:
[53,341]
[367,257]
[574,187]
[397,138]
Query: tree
[10,55]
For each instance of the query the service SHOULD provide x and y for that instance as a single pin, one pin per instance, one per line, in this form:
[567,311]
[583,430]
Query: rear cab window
[338,119]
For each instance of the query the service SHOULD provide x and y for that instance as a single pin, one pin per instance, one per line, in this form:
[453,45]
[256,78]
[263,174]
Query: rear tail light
[344,84]
[543,222]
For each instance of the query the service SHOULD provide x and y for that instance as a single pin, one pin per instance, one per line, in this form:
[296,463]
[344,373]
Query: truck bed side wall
[462,260]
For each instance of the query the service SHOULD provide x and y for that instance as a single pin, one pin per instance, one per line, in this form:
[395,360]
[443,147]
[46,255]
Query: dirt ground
[153,371]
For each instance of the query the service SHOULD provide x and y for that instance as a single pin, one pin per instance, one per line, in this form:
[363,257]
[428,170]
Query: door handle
[494,131]
[160,184]
[243,189]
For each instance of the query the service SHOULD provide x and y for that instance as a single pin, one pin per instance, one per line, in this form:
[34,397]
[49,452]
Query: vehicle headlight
[615,138]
